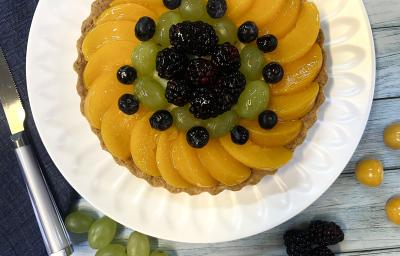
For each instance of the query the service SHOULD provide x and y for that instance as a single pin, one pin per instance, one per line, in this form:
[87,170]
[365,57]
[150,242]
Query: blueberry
[197,137]
[172,4]
[216,8]
[273,73]
[161,120]
[128,104]
[239,135]
[267,43]
[267,119]
[126,75]
[145,28]
[248,32]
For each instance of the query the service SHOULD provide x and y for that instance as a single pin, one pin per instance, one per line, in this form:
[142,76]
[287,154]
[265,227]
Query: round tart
[204,96]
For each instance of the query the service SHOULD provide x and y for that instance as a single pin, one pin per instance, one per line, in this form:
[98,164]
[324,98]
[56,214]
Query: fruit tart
[201,96]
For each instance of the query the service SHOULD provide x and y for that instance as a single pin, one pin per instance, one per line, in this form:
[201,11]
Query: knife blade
[50,223]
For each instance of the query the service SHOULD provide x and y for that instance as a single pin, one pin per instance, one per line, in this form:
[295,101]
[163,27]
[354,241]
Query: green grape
[221,125]
[112,250]
[252,62]
[144,57]
[159,253]
[150,93]
[194,10]
[78,222]
[253,100]
[102,232]
[164,24]
[183,119]
[138,245]
[226,30]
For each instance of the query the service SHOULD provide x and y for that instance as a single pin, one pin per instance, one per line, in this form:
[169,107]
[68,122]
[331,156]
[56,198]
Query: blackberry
[170,63]
[178,92]
[126,74]
[239,135]
[197,137]
[205,103]
[325,233]
[248,32]
[273,73]
[129,104]
[232,83]
[267,43]
[161,120]
[195,38]
[297,242]
[267,119]
[216,8]
[172,4]
[321,251]
[226,57]
[145,28]
[201,72]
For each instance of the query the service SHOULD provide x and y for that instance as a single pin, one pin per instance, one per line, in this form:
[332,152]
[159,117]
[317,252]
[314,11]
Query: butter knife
[51,226]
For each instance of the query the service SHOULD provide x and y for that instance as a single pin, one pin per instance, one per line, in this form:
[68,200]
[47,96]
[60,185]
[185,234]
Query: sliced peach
[144,146]
[164,160]
[300,40]
[262,12]
[125,12]
[285,20]
[109,58]
[282,134]
[256,157]
[221,165]
[237,8]
[156,5]
[187,163]
[106,33]
[294,106]
[116,129]
[300,73]
[104,92]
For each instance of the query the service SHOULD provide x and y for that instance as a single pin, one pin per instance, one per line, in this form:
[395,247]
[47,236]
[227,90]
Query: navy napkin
[19,233]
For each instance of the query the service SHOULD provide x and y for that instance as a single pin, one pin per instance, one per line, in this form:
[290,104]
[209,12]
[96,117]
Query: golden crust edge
[97,8]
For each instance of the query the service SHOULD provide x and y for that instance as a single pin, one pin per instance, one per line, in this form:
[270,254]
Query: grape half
[226,30]
[144,58]
[194,10]
[164,24]
[253,100]
[222,124]
[150,93]
[184,120]
[252,62]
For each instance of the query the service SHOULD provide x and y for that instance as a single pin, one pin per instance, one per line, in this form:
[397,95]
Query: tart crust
[98,7]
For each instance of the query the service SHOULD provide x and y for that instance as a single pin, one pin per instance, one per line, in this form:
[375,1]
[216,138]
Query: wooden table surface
[359,210]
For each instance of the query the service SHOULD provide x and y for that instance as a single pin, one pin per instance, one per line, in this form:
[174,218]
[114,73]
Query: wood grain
[359,210]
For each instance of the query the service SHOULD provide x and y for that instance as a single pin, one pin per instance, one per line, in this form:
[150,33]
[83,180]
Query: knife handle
[51,225]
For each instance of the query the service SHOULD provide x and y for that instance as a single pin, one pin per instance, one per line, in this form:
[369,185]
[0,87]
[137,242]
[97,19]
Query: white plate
[203,218]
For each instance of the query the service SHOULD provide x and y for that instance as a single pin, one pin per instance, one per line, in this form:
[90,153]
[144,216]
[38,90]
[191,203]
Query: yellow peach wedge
[262,12]
[156,5]
[255,156]
[285,21]
[125,12]
[295,106]
[237,8]
[164,159]
[143,146]
[300,73]
[104,92]
[106,33]
[222,166]
[116,129]
[185,160]
[282,134]
[109,58]
[299,40]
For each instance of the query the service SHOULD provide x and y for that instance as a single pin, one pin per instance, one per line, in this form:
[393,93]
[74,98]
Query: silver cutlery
[51,225]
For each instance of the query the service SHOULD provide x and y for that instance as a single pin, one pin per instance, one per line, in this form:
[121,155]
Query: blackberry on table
[201,72]
[216,8]
[170,63]
[325,233]
[321,251]
[178,92]
[195,38]
[226,57]
[297,242]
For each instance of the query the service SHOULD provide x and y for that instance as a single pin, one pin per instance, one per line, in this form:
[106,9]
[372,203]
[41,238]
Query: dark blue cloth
[19,233]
